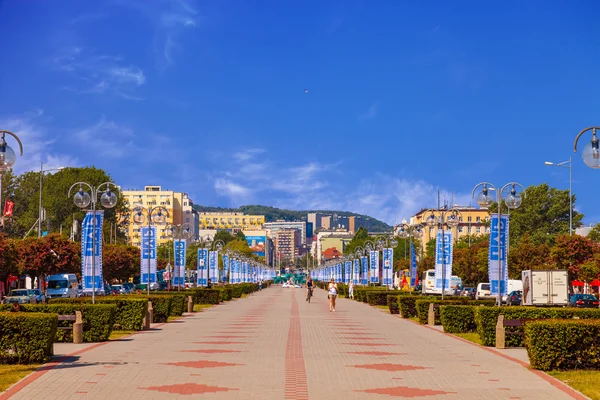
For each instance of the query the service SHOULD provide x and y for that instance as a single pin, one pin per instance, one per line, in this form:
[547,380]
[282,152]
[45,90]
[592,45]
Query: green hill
[277,214]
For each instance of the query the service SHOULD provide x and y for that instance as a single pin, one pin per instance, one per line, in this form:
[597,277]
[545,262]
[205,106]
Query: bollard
[190,304]
[78,328]
[150,314]
[500,333]
[431,315]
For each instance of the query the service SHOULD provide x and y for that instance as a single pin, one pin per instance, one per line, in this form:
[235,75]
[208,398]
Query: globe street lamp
[567,164]
[7,160]
[446,217]
[591,151]
[150,215]
[512,201]
[83,199]
[178,232]
[410,231]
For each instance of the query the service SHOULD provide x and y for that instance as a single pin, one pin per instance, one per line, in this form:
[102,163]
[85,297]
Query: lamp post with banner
[498,251]
[387,244]
[83,199]
[7,160]
[181,234]
[156,215]
[404,231]
[449,217]
[217,245]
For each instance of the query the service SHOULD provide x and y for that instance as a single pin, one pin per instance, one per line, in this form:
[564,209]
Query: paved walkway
[273,345]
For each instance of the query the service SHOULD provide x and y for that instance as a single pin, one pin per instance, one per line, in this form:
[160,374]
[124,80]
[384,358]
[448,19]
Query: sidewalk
[274,345]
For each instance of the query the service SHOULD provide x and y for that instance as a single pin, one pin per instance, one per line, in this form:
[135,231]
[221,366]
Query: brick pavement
[274,345]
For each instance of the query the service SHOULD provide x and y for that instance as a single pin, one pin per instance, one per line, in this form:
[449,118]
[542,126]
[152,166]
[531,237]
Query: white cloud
[99,73]
[247,154]
[107,139]
[231,189]
[370,113]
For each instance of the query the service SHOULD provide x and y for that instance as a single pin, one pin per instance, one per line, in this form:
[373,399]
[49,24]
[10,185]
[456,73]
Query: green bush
[161,307]
[458,318]
[130,313]
[377,298]
[563,344]
[27,338]
[236,291]
[392,303]
[422,306]
[360,293]
[407,304]
[226,293]
[209,296]
[487,318]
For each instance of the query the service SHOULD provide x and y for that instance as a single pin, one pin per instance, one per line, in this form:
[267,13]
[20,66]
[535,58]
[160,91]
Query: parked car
[514,298]
[468,292]
[584,301]
[25,296]
[119,289]
[130,286]
[483,291]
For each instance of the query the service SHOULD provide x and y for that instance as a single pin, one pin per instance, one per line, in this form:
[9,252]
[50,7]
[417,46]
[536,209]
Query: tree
[48,255]
[471,263]
[594,233]
[570,252]
[528,256]
[238,246]
[8,257]
[240,236]
[224,236]
[590,270]
[543,215]
[120,262]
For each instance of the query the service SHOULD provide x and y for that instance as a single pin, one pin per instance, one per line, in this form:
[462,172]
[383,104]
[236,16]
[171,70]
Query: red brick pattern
[296,384]
[390,367]
[375,353]
[188,389]
[202,364]
[404,391]
[219,342]
[211,351]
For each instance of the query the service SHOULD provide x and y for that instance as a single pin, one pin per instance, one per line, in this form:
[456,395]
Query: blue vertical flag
[179,270]
[374,256]
[413,265]
[388,260]
[202,267]
[213,266]
[365,270]
[91,243]
[356,272]
[347,271]
[148,253]
[443,259]
[497,254]
[225,267]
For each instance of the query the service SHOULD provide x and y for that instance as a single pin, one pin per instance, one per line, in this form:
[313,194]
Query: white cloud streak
[370,113]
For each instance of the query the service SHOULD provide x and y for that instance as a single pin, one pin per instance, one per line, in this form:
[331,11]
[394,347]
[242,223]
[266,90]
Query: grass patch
[416,319]
[244,295]
[201,307]
[470,336]
[584,381]
[173,318]
[114,335]
[386,308]
[11,374]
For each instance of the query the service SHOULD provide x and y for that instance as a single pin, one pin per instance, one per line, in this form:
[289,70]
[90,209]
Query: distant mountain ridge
[273,214]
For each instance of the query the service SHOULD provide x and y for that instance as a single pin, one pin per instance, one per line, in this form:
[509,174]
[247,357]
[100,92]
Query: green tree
[528,256]
[120,262]
[595,233]
[358,240]
[543,215]
[471,263]
[240,236]
[8,257]
[570,252]
[224,236]
[590,270]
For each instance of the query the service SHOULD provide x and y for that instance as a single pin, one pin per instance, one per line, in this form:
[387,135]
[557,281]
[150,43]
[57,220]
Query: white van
[483,291]
[61,285]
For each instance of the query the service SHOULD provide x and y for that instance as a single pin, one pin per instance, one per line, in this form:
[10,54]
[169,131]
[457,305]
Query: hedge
[563,344]
[226,293]
[458,318]
[98,319]
[407,305]
[26,338]
[130,313]
[161,307]
[360,293]
[208,296]
[178,303]
[392,303]
[422,307]
[487,318]
[377,298]
[236,291]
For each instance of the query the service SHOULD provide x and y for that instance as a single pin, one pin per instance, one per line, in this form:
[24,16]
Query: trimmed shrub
[26,338]
[377,298]
[392,303]
[487,318]
[360,293]
[563,344]
[236,291]
[130,313]
[161,307]
[422,307]
[407,305]
[458,319]
[209,296]
[226,293]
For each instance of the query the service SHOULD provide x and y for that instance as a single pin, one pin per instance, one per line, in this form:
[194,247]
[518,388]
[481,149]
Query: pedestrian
[309,288]
[351,290]
[260,285]
[332,294]
[209,284]
[16,307]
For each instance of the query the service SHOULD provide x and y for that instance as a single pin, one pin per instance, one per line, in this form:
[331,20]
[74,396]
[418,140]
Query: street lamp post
[178,232]
[7,160]
[83,199]
[410,231]
[567,164]
[449,217]
[218,245]
[40,217]
[591,151]
[512,201]
[156,215]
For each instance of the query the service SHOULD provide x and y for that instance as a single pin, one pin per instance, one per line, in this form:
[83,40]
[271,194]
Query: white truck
[545,288]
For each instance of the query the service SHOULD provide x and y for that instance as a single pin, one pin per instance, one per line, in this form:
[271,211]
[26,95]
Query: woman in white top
[351,290]
[332,294]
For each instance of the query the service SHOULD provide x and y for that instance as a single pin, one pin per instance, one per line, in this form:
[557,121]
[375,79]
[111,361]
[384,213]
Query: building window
[460,229]
[478,229]
[478,219]
[469,219]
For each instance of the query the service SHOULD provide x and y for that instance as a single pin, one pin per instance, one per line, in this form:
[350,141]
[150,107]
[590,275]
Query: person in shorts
[333,292]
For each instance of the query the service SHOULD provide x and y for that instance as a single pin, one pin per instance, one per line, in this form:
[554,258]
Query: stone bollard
[78,328]
[431,315]
[148,317]
[500,333]
[190,304]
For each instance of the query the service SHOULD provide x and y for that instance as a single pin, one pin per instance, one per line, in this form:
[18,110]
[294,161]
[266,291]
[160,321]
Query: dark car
[584,301]
[468,292]
[514,298]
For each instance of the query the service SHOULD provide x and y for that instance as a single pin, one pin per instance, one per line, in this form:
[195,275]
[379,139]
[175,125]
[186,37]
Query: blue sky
[209,97]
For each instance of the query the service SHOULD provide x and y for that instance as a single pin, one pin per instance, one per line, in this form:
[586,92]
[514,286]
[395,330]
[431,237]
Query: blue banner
[388,261]
[91,244]
[225,267]
[364,279]
[443,259]
[497,254]
[148,259]
[213,266]
[413,266]
[179,261]
[347,272]
[202,279]
[356,272]
[374,257]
